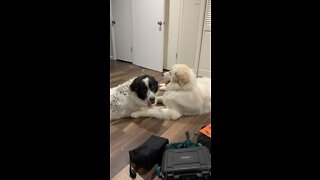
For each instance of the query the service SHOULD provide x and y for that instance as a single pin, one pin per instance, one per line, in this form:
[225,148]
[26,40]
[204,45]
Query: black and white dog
[134,95]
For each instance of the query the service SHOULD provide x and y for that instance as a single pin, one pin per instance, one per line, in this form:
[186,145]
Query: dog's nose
[152,99]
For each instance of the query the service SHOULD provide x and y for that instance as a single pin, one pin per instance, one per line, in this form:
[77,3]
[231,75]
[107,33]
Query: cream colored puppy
[184,95]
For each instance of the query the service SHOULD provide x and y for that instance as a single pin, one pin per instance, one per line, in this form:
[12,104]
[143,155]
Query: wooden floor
[127,133]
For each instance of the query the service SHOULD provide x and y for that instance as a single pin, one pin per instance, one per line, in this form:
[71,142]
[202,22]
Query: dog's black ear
[154,83]
[157,86]
[133,85]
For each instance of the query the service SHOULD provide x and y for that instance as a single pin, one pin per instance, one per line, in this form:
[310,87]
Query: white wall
[183,33]
[204,60]
[204,68]
[189,28]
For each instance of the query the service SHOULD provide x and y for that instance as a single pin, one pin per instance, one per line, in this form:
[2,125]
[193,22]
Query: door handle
[160,24]
[113,22]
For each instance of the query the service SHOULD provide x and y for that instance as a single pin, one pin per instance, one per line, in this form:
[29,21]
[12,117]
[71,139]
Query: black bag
[204,140]
[148,154]
[186,163]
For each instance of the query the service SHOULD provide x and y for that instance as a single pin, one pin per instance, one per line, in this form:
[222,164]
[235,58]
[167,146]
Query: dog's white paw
[162,88]
[135,114]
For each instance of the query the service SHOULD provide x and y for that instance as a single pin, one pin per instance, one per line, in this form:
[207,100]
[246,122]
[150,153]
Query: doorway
[138,27]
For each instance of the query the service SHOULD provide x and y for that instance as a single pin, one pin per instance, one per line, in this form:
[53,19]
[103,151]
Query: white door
[122,24]
[148,35]
[189,28]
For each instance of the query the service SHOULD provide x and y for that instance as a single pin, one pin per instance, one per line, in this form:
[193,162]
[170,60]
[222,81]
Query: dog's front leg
[137,114]
[147,112]
[165,113]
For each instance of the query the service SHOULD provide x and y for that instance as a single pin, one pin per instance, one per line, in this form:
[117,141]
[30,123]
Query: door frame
[199,38]
[132,57]
[173,33]
[132,31]
[114,57]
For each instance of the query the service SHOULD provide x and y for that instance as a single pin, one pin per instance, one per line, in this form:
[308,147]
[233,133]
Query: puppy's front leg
[162,86]
[159,100]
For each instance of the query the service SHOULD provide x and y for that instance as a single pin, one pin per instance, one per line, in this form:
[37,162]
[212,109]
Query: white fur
[123,101]
[193,98]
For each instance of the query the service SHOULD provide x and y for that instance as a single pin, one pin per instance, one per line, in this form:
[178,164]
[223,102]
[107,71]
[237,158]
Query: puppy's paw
[162,88]
[175,117]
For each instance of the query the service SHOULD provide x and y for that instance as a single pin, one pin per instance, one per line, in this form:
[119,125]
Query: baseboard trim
[112,58]
[204,73]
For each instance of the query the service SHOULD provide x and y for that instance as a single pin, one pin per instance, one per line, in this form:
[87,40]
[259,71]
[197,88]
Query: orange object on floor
[206,130]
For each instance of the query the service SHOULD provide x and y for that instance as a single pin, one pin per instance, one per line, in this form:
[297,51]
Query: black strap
[132,172]
[187,135]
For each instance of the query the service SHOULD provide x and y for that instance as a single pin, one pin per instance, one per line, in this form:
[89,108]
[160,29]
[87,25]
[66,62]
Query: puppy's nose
[152,99]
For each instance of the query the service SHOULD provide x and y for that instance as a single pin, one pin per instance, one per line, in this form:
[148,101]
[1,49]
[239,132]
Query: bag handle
[132,172]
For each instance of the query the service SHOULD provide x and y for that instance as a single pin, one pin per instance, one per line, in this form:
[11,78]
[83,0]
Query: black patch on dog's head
[140,88]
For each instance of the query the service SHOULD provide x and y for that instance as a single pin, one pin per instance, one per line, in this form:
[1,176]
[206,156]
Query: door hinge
[131,49]
[176,55]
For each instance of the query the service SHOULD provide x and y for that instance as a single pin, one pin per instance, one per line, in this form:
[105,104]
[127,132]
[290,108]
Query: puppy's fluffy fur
[136,94]
[184,95]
